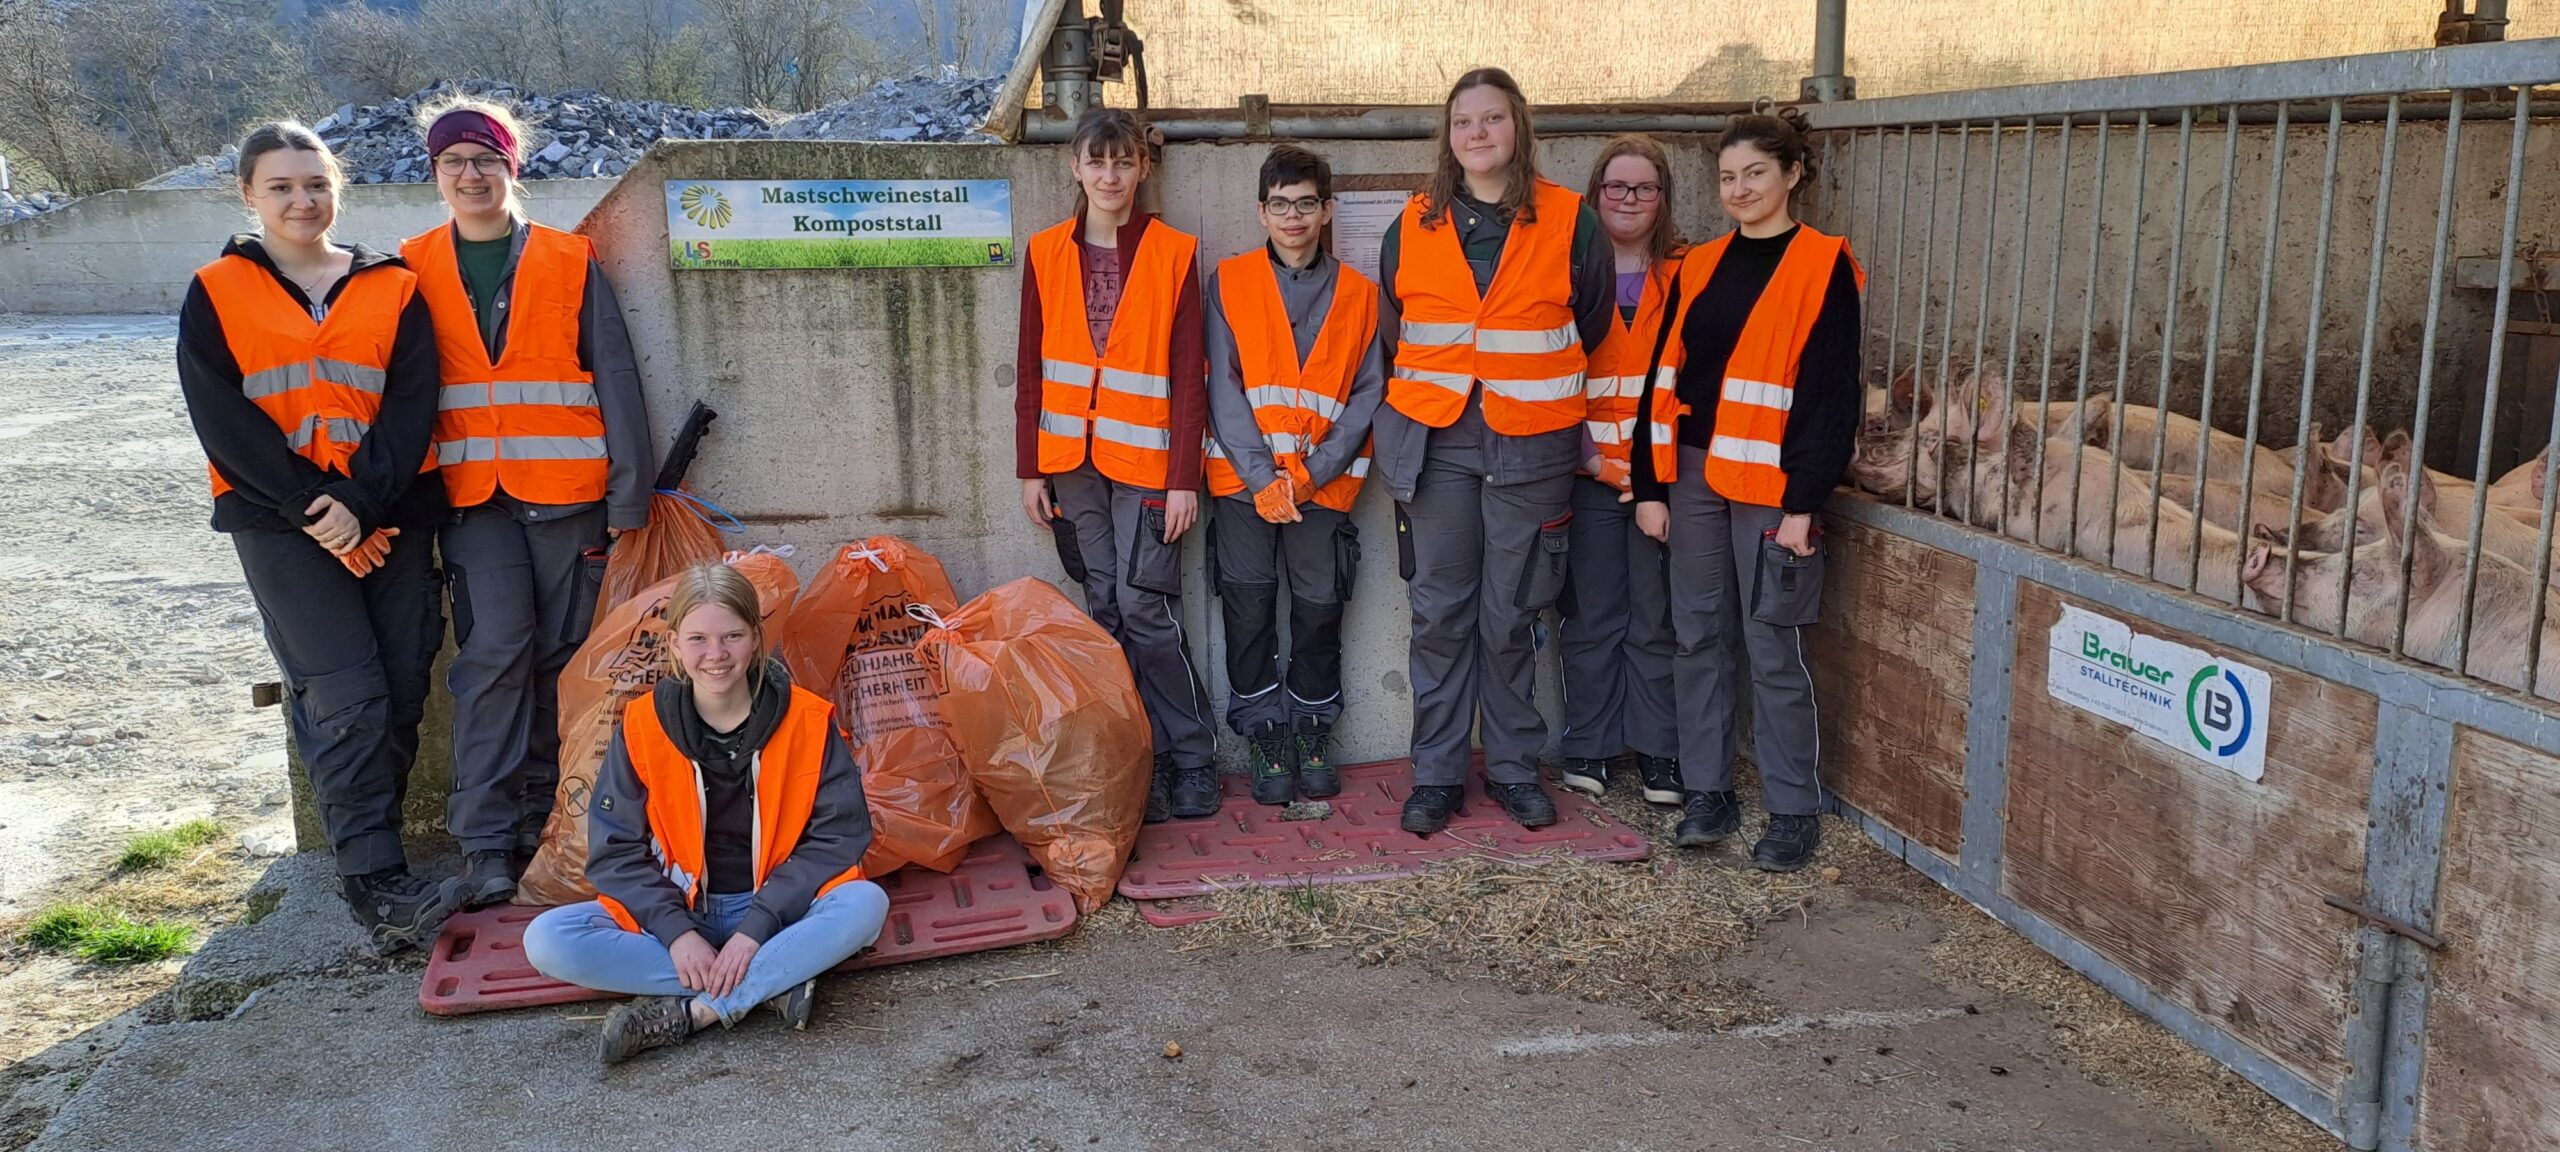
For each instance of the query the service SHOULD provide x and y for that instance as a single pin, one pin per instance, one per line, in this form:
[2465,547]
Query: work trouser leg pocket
[1346,558]
[1154,565]
[457,582]
[1789,587]
[1404,544]
[582,602]
[1542,578]
[1062,532]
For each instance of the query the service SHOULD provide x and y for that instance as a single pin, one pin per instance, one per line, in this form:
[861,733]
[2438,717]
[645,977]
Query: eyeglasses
[1640,193]
[1302,206]
[489,165]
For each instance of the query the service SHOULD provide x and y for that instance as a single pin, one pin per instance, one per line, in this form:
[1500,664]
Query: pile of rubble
[937,104]
[13,207]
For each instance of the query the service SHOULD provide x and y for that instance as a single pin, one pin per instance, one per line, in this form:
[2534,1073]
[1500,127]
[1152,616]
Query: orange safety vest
[1615,384]
[1294,404]
[1118,399]
[320,381]
[1760,377]
[1518,337]
[786,788]
[528,423]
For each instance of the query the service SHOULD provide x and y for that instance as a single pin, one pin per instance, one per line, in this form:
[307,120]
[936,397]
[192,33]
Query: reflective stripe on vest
[321,382]
[784,786]
[1294,404]
[1518,337]
[1114,403]
[1614,385]
[1758,390]
[530,422]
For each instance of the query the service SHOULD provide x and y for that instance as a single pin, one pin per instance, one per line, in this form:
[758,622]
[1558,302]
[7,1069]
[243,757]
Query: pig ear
[1906,393]
[2426,493]
[1991,410]
[2395,448]
[2394,490]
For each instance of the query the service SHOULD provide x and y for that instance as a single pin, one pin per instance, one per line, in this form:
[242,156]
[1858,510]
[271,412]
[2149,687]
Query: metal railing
[2011,182]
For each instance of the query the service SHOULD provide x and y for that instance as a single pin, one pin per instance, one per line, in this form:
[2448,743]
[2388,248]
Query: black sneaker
[1788,844]
[1589,777]
[399,911]
[1661,778]
[1427,811]
[1272,755]
[1160,791]
[646,1023]
[793,1006]
[1316,778]
[1528,805]
[1196,792]
[488,878]
[1706,817]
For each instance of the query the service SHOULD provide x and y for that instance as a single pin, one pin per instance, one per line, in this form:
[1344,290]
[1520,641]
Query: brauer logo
[2096,651]
[2218,711]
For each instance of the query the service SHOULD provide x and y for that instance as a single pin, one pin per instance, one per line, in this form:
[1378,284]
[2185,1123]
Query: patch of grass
[828,251]
[1310,900]
[163,848]
[104,936]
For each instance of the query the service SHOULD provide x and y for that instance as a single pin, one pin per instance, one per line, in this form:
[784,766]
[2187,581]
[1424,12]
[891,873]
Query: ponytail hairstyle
[1519,198]
[1665,242]
[1782,136]
[511,126]
[1107,133]
[717,585]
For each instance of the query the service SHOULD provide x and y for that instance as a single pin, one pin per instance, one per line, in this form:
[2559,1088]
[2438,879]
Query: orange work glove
[369,554]
[1615,473]
[1277,503]
[1299,478]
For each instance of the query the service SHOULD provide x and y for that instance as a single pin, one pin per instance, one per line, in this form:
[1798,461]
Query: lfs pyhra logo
[2219,712]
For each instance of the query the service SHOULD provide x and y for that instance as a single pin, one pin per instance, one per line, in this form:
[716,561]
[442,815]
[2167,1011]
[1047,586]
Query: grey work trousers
[524,595]
[1715,565]
[356,656]
[1133,588]
[1487,558]
[1616,638]
[1251,554]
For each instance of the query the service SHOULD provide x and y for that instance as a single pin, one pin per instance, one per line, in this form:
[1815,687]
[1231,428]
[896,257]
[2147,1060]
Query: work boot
[1316,777]
[1587,776]
[1528,805]
[1706,817]
[1788,844]
[1661,778]
[646,1023]
[399,911]
[1427,811]
[1160,790]
[488,877]
[1196,792]
[793,1006]
[1272,755]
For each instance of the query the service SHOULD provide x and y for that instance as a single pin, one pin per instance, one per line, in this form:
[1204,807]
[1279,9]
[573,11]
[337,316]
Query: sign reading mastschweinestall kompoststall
[839,223]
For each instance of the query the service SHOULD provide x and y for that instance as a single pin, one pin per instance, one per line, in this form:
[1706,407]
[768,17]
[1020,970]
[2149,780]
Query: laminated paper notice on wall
[2208,707]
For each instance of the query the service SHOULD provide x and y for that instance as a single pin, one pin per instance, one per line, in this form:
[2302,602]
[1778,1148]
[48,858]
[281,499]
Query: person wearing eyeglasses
[1296,372]
[543,440]
[1616,638]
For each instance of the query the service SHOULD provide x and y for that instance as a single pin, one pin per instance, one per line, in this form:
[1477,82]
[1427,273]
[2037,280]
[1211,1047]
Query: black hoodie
[271,484]
[622,864]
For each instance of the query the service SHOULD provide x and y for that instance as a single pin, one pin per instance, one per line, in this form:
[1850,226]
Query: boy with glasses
[1296,371]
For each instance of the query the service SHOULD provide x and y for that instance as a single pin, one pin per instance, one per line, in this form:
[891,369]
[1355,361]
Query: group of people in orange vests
[1572,409]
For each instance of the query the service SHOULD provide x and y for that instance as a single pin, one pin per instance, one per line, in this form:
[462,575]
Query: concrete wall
[862,402]
[133,251]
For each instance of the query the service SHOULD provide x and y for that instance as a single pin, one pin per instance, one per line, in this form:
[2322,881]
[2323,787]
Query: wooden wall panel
[1893,672]
[2492,1080]
[2203,885]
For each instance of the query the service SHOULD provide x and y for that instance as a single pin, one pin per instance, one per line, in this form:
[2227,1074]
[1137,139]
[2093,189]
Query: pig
[1910,399]
[2222,501]
[2141,433]
[2503,533]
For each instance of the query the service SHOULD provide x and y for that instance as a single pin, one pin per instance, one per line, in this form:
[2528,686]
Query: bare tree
[662,57]
[362,53]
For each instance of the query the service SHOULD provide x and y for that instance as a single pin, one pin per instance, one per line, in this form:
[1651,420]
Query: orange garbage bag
[852,641]
[621,660]
[1047,717]
[678,536]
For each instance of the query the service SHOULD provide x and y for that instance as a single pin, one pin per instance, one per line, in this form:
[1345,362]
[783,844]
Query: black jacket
[271,484]
[622,864]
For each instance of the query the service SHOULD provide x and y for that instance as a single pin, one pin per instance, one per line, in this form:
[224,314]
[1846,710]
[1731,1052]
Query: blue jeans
[581,944]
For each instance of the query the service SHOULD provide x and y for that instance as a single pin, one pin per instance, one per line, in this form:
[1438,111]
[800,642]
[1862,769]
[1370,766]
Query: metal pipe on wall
[1391,123]
[1830,80]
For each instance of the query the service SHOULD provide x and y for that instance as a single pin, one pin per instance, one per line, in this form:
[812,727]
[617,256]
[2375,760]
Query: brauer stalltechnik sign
[2211,709]
[839,223]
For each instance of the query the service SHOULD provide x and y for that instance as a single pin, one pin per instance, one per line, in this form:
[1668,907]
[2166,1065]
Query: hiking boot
[1196,792]
[488,877]
[1589,777]
[1661,778]
[1427,811]
[1316,777]
[793,1006]
[1528,805]
[1706,817]
[646,1023]
[399,911]
[1160,791]
[1272,757]
[1788,844]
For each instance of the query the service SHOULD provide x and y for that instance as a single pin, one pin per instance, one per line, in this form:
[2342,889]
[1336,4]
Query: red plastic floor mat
[1247,843]
[994,899]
